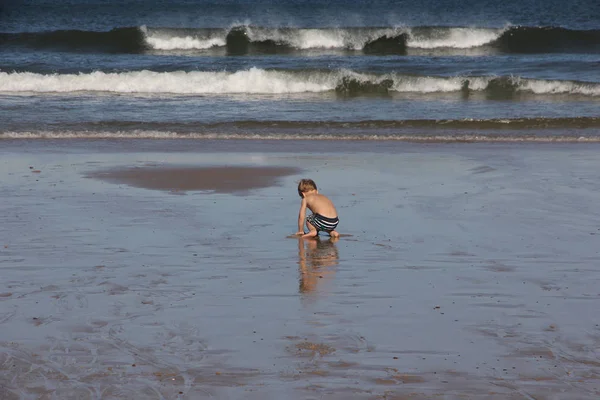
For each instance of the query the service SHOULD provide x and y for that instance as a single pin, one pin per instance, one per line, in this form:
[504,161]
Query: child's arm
[301,217]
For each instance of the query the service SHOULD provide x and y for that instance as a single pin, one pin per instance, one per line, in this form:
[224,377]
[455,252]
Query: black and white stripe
[323,223]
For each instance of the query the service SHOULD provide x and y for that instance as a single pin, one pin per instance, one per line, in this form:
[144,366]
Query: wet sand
[219,179]
[471,273]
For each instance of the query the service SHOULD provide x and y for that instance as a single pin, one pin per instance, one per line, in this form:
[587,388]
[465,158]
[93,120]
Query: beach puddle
[176,180]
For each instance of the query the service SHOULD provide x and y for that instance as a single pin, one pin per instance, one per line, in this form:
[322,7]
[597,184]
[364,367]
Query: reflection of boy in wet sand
[315,261]
[324,215]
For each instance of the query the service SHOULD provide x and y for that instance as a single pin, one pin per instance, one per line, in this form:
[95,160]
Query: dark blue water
[442,69]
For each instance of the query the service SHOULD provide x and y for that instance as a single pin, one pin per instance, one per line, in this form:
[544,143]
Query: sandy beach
[162,269]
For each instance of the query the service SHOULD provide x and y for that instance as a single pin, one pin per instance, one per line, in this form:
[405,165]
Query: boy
[324,215]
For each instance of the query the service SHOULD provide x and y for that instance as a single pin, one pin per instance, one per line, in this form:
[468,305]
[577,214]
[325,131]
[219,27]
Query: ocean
[150,152]
[445,70]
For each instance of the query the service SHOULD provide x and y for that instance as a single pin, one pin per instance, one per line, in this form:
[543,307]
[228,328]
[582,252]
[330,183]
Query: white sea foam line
[164,42]
[558,87]
[161,40]
[427,84]
[254,80]
[319,38]
[298,38]
[216,136]
[308,38]
[459,38]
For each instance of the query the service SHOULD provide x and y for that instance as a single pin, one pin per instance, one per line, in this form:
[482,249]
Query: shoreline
[583,135]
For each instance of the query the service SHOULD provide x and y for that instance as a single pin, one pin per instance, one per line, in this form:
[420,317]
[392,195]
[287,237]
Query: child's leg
[334,234]
[312,231]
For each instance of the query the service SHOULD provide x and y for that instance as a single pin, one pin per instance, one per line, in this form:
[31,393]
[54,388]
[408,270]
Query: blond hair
[306,185]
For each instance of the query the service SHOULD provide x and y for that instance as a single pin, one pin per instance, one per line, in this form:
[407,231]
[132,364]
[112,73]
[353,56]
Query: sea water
[301,69]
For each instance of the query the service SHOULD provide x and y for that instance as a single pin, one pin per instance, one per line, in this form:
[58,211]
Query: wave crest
[248,39]
[259,81]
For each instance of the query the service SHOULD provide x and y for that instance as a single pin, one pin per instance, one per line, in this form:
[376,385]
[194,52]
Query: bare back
[320,204]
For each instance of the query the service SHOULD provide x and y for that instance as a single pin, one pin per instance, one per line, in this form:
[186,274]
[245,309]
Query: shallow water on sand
[470,273]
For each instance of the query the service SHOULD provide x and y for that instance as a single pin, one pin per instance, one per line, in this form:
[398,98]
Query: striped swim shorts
[323,223]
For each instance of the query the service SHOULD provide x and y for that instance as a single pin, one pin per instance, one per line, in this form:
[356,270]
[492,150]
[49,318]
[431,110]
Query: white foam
[166,42]
[427,84]
[160,135]
[259,81]
[132,134]
[303,39]
[339,38]
[478,83]
[458,38]
[330,38]
[319,38]
[560,87]
[252,81]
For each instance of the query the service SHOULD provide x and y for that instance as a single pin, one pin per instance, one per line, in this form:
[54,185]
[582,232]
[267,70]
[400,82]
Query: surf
[249,39]
[257,81]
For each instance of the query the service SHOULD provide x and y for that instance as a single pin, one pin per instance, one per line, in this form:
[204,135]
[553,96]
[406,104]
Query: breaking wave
[248,39]
[257,81]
